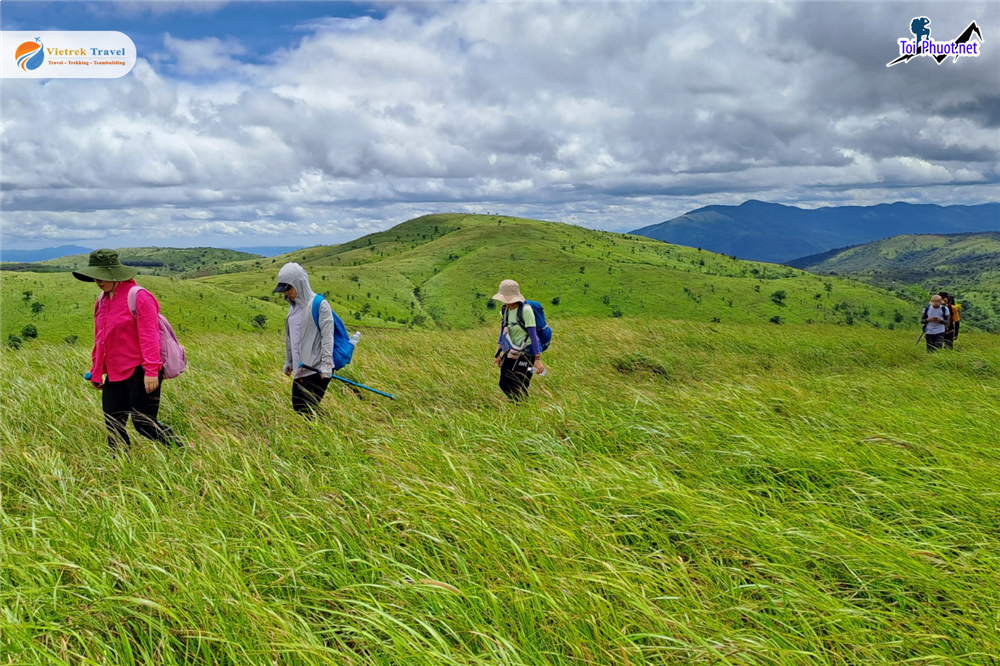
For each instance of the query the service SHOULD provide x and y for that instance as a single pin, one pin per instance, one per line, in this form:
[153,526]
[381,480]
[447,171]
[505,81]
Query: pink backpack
[171,351]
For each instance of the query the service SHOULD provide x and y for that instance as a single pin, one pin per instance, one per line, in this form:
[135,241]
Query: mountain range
[778,234]
[44,254]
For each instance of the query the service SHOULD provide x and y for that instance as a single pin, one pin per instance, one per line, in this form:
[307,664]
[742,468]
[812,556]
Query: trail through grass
[671,493]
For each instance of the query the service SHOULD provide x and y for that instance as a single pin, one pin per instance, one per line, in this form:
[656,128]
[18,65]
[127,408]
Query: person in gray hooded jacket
[305,342]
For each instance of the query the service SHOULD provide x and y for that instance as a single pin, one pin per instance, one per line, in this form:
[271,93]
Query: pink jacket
[123,342]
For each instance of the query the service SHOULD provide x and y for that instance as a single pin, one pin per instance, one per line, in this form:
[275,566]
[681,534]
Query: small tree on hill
[27,296]
[29,332]
[779,297]
[36,307]
[259,320]
[555,301]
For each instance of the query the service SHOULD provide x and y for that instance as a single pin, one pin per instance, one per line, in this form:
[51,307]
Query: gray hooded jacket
[315,344]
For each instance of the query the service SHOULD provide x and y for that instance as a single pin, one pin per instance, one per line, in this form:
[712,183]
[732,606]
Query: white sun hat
[510,292]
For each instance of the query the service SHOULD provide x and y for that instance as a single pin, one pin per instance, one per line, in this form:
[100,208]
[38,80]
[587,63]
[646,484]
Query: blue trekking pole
[348,381]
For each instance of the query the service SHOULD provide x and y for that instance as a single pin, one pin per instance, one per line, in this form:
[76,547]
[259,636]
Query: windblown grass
[779,495]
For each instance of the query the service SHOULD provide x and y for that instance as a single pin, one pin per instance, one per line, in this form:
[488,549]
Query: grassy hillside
[963,264]
[170,261]
[440,270]
[696,494]
[67,306]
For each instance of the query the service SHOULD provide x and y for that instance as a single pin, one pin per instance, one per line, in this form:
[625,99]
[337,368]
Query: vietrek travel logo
[65,54]
[30,55]
[923,45]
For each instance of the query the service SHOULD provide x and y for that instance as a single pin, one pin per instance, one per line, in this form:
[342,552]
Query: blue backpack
[343,350]
[542,328]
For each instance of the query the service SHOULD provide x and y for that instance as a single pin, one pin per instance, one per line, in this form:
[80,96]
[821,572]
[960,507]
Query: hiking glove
[326,371]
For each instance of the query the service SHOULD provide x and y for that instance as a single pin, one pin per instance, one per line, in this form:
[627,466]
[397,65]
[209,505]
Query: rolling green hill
[67,306]
[964,264]
[170,261]
[441,270]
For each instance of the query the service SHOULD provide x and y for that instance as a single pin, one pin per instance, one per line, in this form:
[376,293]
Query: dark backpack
[542,327]
[343,350]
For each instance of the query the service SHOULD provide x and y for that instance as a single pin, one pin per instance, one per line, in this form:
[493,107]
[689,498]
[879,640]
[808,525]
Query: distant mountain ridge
[44,254]
[777,233]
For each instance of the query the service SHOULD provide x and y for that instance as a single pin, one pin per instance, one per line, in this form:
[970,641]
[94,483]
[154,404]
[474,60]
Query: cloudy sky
[253,123]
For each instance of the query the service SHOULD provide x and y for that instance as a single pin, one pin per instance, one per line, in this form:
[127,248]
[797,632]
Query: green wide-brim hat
[105,265]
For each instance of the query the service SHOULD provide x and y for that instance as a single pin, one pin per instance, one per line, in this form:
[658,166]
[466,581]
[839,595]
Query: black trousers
[129,398]
[951,335]
[934,341]
[514,376]
[307,392]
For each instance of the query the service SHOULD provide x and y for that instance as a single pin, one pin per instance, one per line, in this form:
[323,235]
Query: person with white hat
[519,352]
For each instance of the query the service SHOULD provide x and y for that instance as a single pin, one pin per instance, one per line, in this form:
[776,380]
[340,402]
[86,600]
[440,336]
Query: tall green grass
[671,493]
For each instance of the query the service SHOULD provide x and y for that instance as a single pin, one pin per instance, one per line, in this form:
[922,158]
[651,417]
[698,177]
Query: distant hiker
[935,318]
[309,331]
[951,334]
[519,350]
[128,366]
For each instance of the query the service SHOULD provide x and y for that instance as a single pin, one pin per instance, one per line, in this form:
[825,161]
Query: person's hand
[151,383]
[498,361]
[326,371]
[97,385]
[288,371]
[539,366]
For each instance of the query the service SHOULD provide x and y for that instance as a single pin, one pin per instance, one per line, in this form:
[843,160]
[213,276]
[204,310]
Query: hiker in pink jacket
[126,367]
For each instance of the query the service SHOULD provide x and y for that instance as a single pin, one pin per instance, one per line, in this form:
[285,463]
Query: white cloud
[204,55]
[609,115]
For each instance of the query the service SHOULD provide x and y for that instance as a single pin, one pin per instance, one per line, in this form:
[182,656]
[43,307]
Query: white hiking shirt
[936,327]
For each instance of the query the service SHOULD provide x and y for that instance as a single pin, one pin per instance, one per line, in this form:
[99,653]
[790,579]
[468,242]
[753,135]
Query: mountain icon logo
[30,55]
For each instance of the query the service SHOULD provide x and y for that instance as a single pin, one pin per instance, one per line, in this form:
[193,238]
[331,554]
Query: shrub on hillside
[29,332]
[775,319]
[555,301]
[36,307]
[259,320]
[14,341]
[633,363]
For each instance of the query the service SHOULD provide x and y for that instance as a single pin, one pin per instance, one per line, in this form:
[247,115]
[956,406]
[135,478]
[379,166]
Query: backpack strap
[132,295]
[317,301]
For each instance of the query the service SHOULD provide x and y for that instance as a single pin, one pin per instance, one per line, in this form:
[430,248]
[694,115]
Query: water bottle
[542,374]
[354,338]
